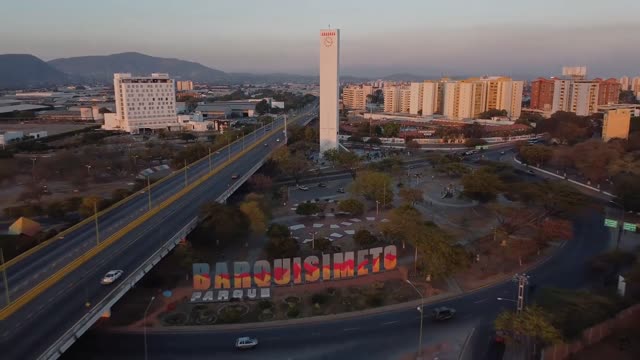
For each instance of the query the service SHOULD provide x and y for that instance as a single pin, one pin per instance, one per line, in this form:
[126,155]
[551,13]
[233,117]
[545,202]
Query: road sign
[611,223]
[629,226]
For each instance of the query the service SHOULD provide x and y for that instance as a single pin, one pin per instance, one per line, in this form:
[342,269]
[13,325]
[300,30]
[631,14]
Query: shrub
[375,300]
[364,238]
[319,298]
[352,206]
[293,312]
[265,304]
[322,244]
[308,209]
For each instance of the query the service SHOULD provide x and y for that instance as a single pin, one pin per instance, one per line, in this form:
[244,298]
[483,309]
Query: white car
[111,277]
[246,343]
[278,139]
[303,188]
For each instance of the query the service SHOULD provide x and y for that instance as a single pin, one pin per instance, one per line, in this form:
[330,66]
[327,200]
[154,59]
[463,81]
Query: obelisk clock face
[328,41]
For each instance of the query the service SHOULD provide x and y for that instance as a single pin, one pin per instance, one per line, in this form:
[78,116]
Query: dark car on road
[443,313]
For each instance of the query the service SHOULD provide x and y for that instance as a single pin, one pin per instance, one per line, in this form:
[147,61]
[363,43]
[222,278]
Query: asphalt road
[387,335]
[34,327]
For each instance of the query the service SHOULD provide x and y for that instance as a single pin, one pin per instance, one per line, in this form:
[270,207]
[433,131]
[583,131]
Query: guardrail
[42,286]
[61,235]
[80,327]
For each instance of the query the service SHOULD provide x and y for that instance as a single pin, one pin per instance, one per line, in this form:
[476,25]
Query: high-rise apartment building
[584,97]
[143,103]
[561,95]
[354,97]
[391,99]
[417,94]
[542,94]
[329,88]
[616,124]
[624,83]
[608,91]
[184,85]
[635,86]
[405,99]
[431,97]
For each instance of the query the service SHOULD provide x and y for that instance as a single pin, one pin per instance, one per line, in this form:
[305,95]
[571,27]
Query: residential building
[464,99]
[143,103]
[450,98]
[354,97]
[624,83]
[561,95]
[430,97]
[575,72]
[184,85]
[635,86]
[542,94]
[616,124]
[391,99]
[329,88]
[415,102]
[608,91]
[584,97]
[405,99]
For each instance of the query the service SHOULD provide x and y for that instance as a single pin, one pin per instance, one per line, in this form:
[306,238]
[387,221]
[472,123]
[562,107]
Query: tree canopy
[481,185]
[532,322]
[344,159]
[374,186]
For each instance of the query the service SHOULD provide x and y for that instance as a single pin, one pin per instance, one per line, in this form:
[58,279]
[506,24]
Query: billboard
[225,281]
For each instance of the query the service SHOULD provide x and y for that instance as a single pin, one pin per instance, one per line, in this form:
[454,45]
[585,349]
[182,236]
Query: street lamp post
[377,205]
[229,148]
[33,167]
[313,239]
[149,191]
[209,159]
[186,176]
[88,170]
[4,278]
[95,215]
[144,326]
[421,310]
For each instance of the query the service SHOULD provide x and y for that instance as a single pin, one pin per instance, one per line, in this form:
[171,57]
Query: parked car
[246,343]
[323,185]
[340,190]
[443,313]
[111,277]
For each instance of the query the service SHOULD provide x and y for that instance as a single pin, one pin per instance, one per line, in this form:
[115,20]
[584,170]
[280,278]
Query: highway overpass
[50,286]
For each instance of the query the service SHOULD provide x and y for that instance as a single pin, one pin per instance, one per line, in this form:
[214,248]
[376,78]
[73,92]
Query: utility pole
[229,148]
[4,277]
[620,228]
[421,310]
[209,159]
[95,215]
[285,129]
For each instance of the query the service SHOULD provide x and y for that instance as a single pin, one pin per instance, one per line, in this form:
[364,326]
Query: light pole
[33,167]
[144,326]
[95,215]
[149,191]
[229,148]
[88,170]
[186,176]
[522,280]
[313,239]
[421,310]
[4,277]
[209,159]
[377,205]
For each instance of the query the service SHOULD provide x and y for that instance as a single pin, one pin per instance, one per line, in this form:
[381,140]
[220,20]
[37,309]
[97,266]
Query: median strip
[47,283]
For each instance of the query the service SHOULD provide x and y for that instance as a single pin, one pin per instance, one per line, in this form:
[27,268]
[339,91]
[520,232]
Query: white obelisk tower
[329,88]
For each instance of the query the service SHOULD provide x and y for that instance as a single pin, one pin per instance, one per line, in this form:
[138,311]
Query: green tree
[373,186]
[294,165]
[260,182]
[473,142]
[282,247]
[263,107]
[592,158]
[452,169]
[437,254]
[187,137]
[481,185]
[627,189]
[533,323]
[364,238]
[308,209]
[86,208]
[391,129]
[351,206]
[257,218]
[221,224]
[344,159]
[493,113]
[411,195]
[536,154]
[55,210]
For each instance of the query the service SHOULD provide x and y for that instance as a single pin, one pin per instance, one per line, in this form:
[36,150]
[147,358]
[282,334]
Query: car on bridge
[246,343]
[234,176]
[111,277]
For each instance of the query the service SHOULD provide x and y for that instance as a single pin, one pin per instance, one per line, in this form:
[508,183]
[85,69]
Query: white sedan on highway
[246,343]
[111,277]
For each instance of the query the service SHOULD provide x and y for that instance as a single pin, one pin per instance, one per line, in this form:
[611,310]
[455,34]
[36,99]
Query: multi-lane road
[387,335]
[32,328]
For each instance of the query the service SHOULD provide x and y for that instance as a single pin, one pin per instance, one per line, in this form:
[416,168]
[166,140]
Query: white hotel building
[143,103]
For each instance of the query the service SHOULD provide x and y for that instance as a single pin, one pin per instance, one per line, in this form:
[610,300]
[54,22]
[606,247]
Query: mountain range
[27,71]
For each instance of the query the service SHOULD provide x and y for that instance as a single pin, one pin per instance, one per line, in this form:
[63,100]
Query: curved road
[387,335]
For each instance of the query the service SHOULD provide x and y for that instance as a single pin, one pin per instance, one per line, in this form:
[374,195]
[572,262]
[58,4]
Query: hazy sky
[464,37]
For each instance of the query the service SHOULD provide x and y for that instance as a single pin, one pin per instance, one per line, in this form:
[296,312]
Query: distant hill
[102,68]
[19,71]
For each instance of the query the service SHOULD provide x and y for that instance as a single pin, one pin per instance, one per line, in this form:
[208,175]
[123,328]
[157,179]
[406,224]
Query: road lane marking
[390,322]
[479,301]
[351,329]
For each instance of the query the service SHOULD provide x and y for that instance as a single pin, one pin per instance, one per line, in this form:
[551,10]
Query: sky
[422,37]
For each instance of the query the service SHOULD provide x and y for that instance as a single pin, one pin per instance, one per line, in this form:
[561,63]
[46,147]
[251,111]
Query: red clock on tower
[328,41]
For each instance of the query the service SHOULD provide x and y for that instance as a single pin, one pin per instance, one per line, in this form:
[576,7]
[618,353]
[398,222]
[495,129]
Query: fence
[593,334]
